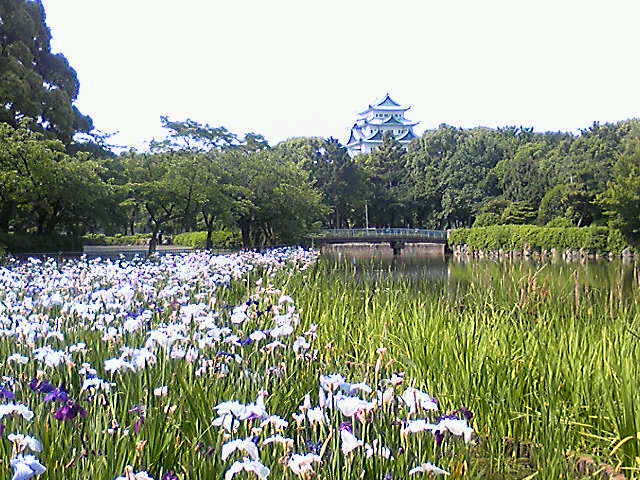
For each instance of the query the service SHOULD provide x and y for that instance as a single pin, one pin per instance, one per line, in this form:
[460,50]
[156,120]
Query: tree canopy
[36,83]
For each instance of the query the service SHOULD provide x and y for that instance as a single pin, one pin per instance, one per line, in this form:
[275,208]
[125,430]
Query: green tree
[192,136]
[451,173]
[43,188]
[339,177]
[161,186]
[518,213]
[218,198]
[520,178]
[386,175]
[568,201]
[621,199]
[34,82]
[275,201]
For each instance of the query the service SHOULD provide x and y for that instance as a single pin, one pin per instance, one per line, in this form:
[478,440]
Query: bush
[616,242]
[28,243]
[517,237]
[486,219]
[518,213]
[559,222]
[100,239]
[222,239]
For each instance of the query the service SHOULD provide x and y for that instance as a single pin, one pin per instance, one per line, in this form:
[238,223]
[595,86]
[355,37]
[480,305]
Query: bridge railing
[356,233]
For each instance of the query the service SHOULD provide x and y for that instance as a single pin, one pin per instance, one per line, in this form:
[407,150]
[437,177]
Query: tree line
[189,181]
[453,177]
[207,178]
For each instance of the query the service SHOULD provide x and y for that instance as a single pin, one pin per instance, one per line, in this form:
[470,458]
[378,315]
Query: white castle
[384,116]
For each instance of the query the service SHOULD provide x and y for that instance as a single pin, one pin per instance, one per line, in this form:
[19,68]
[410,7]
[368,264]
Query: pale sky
[287,68]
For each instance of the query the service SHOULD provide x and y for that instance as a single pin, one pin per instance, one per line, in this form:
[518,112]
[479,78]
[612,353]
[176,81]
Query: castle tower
[384,116]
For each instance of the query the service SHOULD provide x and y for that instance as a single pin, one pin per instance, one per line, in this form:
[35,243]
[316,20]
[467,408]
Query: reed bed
[546,356]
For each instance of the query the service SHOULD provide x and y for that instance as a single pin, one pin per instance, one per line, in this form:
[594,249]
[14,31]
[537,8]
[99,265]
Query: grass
[547,357]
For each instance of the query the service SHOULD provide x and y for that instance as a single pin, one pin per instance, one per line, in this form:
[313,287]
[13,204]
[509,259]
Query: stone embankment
[527,252]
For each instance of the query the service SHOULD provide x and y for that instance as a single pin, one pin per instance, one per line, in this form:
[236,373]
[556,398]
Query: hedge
[101,239]
[223,239]
[517,237]
[29,243]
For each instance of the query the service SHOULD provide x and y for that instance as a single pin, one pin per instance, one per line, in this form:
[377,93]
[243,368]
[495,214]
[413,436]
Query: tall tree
[160,185]
[386,173]
[520,178]
[621,199]
[192,136]
[34,82]
[339,177]
[42,187]
[274,200]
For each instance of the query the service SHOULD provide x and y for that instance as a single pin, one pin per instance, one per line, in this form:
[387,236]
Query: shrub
[94,239]
[559,222]
[616,241]
[518,213]
[100,239]
[222,239]
[29,243]
[517,237]
[486,219]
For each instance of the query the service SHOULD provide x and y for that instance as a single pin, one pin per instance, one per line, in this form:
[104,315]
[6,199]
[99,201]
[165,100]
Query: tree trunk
[42,220]
[6,214]
[153,241]
[132,220]
[246,235]
[209,224]
[52,222]
[209,243]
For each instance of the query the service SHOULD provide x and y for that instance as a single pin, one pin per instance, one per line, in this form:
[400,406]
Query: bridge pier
[382,250]
[397,247]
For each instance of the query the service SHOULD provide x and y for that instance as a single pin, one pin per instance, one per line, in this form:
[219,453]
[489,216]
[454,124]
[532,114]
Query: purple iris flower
[468,414]
[439,437]
[346,426]
[253,416]
[225,354]
[246,341]
[138,425]
[2,429]
[69,411]
[41,386]
[57,395]
[314,447]
[170,475]
[6,393]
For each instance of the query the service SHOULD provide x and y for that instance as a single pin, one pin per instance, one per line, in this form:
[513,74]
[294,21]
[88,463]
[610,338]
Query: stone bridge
[397,238]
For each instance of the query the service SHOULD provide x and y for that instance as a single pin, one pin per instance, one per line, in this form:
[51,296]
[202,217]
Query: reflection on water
[453,277]
[400,267]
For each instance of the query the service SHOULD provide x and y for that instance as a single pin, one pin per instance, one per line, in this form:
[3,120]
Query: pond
[457,275]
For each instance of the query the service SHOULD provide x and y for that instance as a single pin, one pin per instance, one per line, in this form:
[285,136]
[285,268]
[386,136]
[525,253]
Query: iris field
[280,365]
